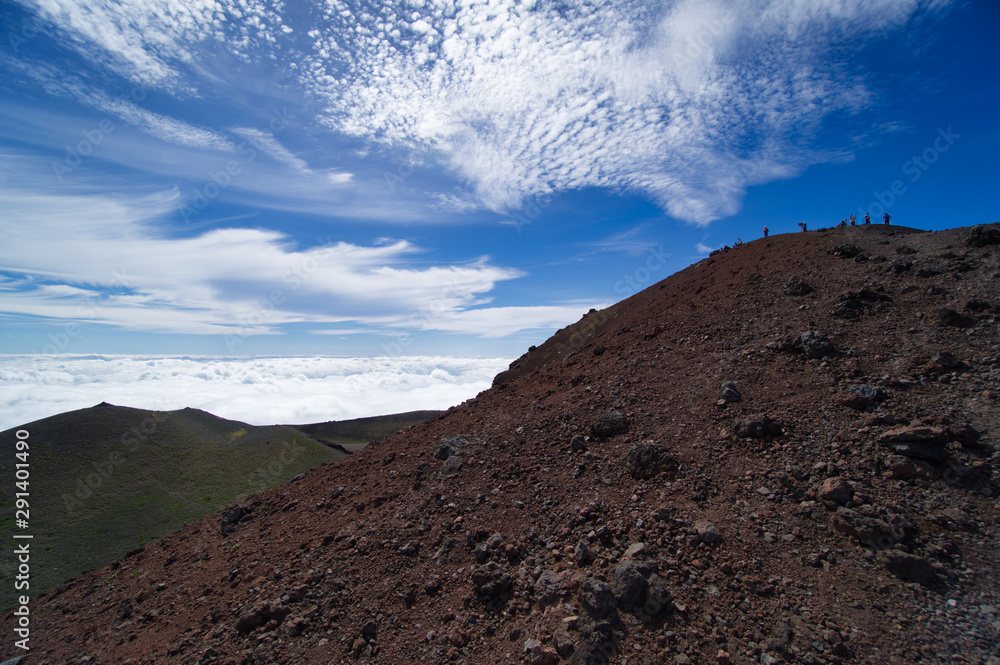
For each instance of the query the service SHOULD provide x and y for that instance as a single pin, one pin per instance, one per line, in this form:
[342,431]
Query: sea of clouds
[259,391]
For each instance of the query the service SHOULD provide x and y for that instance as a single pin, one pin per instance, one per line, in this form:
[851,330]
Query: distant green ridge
[108,479]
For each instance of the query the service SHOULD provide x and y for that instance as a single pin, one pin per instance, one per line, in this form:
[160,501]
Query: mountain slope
[724,468]
[108,479]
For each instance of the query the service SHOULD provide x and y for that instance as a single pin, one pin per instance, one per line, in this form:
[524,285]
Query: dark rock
[450,445]
[610,424]
[814,344]
[866,530]
[234,516]
[582,553]
[917,441]
[658,599]
[410,549]
[491,581]
[563,643]
[631,581]
[909,567]
[256,617]
[837,490]
[942,363]
[730,392]
[577,444]
[950,317]
[337,491]
[368,631]
[548,589]
[647,460]
[977,305]
[757,426]
[863,398]
[798,287]
[708,533]
[597,598]
[846,251]
[984,236]
[899,266]
[966,435]
[851,304]
[900,467]
[452,465]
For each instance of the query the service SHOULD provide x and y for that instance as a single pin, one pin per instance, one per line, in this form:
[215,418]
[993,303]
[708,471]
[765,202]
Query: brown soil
[804,523]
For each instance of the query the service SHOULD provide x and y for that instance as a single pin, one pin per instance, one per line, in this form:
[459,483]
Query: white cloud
[266,143]
[688,102]
[162,127]
[448,202]
[234,281]
[153,42]
[492,322]
[259,391]
[703,248]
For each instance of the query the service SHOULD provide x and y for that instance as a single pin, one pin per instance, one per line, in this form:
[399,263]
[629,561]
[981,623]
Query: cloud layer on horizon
[258,391]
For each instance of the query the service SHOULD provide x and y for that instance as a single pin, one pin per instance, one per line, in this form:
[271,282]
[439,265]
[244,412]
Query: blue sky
[444,178]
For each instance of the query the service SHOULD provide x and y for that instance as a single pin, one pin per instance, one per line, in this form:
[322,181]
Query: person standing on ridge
[765,231]
[868,218]
[885,218]
[853,217]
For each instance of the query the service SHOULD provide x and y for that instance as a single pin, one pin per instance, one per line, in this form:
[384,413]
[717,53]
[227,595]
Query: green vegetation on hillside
[108,479]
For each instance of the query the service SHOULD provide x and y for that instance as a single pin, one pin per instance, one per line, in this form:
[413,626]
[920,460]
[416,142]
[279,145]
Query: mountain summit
[785,453]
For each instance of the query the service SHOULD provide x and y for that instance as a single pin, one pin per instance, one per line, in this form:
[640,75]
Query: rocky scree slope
[785,453]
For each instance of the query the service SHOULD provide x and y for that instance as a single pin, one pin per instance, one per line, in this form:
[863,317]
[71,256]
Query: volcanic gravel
[727,467]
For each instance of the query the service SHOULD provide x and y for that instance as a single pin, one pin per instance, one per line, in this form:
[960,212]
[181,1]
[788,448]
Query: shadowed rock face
[855,478]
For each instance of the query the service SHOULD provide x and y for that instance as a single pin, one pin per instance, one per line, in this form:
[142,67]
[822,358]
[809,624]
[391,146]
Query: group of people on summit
[841,225]
[868,220]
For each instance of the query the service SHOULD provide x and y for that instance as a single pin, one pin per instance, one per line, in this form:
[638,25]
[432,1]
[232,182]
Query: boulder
[837,490]
[609,425]
[631,581]
[950,317]
[865,530]
[814,344]
[649,459]
[798,287]
[708,533]
[450,445]
[730,393]
[597,598]
[918,441]
[909,567]
[862,398]
[984,236]
[757,426]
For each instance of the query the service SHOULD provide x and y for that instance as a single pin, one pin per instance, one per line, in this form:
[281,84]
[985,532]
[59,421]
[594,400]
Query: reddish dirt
[782,528]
